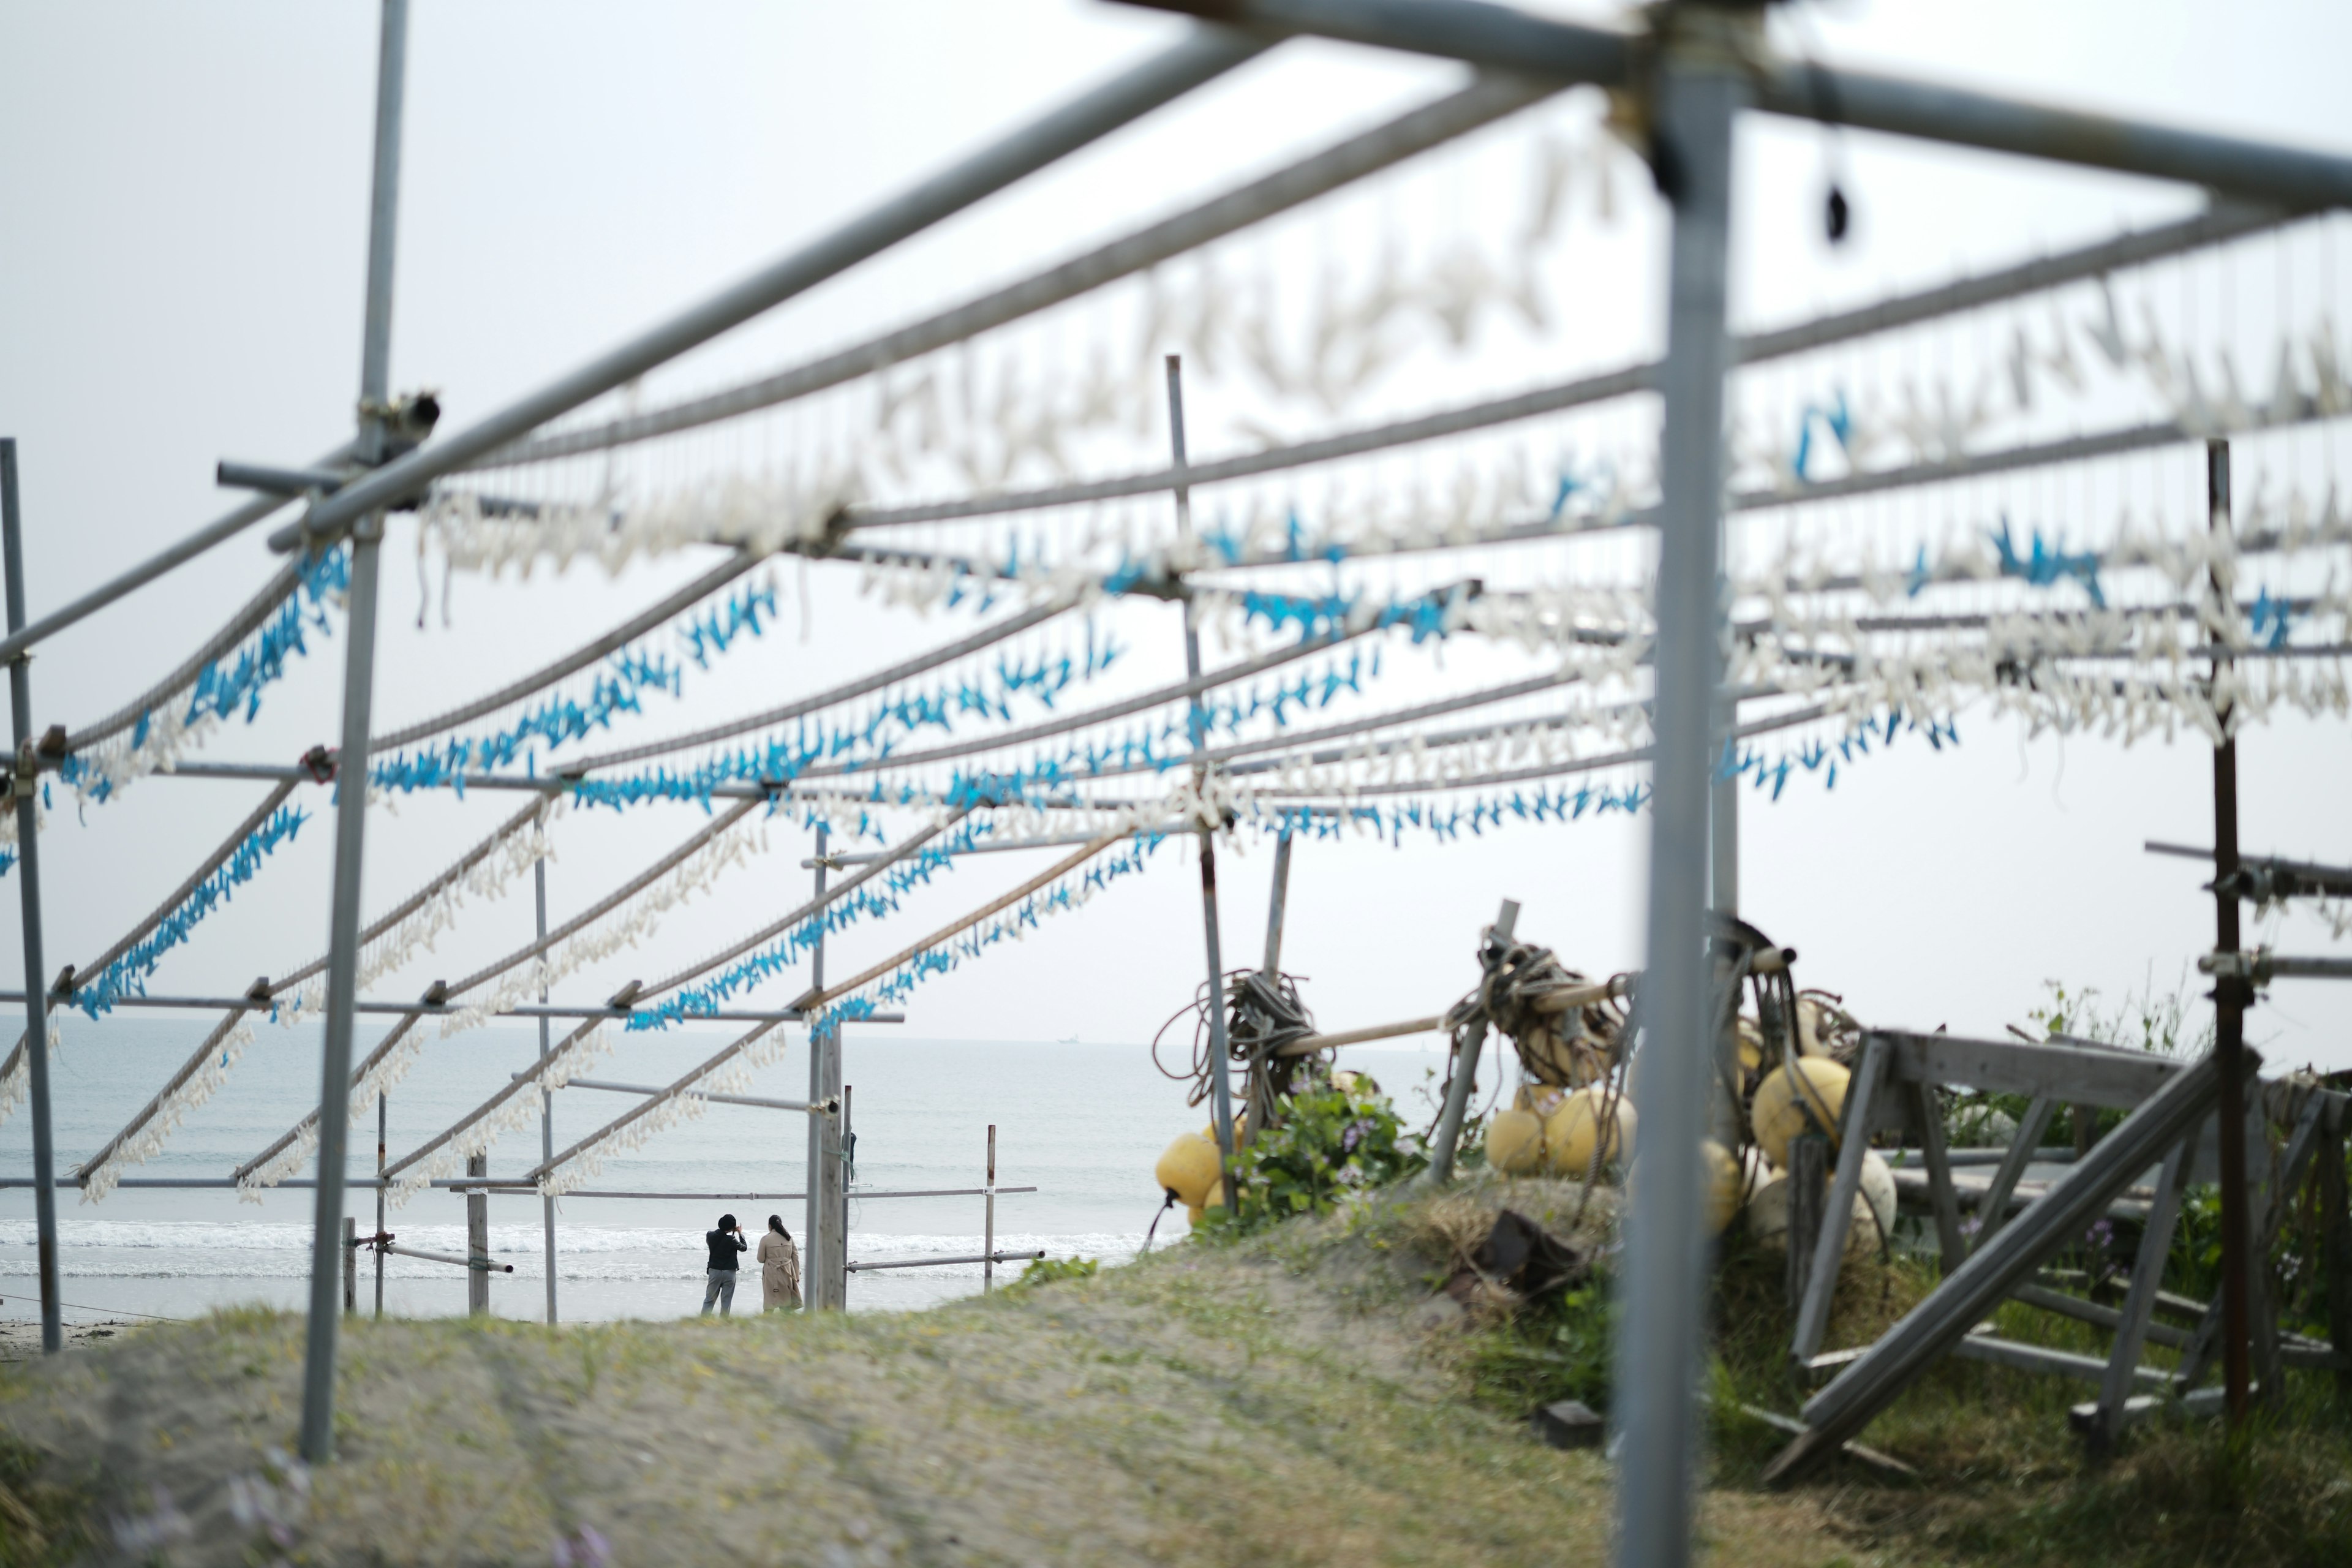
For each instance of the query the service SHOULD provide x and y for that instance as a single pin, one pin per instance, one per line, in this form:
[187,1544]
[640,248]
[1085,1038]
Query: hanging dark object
[1837,217]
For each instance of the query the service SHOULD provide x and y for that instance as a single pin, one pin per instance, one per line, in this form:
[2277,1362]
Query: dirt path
[22,1340]
[1206,1406]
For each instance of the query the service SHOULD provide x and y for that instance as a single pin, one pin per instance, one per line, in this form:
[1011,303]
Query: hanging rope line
[904,969]
[103,759]
[384,944]
[122,969]
[681,602]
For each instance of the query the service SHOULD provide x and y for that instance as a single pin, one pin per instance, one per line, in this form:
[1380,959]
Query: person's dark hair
[776,1224]
[727,1222]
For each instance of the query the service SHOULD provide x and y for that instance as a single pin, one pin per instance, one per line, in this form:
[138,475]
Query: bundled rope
[1568,1029]
[1265,1015]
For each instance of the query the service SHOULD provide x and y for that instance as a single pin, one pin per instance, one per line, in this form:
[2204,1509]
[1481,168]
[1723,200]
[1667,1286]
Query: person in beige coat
[780,1268]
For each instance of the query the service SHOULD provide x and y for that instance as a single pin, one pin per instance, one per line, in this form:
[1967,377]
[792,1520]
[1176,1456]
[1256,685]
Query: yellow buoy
[1751,1044]
[1724,1194]
[1514,1142]
[1189,1167]
[1874,1210]
[1573,1128]
[1192,1212]
[1214,1198]
[1241,1129]
[1795,1100]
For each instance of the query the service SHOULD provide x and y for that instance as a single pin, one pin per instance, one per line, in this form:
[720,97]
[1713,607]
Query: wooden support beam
[1992,1211]
[2203,1403]
[1808,1180]
[2018,1357]
[2139,1302]
[1829,1252]
[1927,1120]
[2090,1313]
[2335,1250]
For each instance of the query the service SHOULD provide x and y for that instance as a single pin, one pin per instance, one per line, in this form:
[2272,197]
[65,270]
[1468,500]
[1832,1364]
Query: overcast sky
[186,198]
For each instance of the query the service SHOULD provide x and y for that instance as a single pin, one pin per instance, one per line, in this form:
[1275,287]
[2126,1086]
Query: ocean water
[1080,1122]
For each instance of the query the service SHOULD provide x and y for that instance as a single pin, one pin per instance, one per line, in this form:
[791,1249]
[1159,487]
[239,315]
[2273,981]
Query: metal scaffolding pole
[382,1126]
[352,792]
[28,885]
[2231,992]
[546,1100]
[1701,90]
[826,1250]
[1221,1099]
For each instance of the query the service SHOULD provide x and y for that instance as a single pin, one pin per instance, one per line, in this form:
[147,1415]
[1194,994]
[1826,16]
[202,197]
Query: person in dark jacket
[727,1248]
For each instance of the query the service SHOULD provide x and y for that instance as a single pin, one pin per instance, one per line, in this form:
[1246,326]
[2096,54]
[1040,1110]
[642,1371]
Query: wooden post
[1809,1174]
[478,1240]
[987,1221]
[2336,1254]
[1952,1245]
[1993,1212]
[1829,1252]
[1465,1074]
[2139,1302]
[350,1265]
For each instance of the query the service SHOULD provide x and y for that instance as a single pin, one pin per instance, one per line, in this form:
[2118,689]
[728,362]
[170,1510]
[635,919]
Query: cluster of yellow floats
[1585,1130]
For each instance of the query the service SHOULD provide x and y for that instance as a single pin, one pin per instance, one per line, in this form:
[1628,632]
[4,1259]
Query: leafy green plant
[1559,1348]
[1329,1143]
[1047,1270]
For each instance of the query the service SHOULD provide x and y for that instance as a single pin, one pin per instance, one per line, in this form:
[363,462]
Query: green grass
[42,1522]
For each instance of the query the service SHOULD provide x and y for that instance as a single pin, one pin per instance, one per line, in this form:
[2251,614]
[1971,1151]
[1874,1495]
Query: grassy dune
[1274,1401]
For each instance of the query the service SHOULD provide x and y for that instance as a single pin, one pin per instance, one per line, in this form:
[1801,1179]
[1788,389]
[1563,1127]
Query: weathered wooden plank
[2132,1327]
[2203,1403]
[1829,1253]
[2042,1359]
[2090,1313]
[2336,1249]
[2073,1073]
[1809,1180]
[1992,1213]
[1927,1120]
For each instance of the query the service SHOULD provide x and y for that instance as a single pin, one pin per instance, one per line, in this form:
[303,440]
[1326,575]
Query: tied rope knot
[1560,1044]
[1266,1014]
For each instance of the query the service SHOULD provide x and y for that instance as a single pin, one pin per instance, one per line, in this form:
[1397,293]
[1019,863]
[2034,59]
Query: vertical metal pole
[1722,825]
[546,1103]
[1222,1098]
[28,886]
[828,1136]
[1277,906]
[352,778]
[813,1265]
[478,1240]
[844,1168]
[2230,993]
[1701,92]
[351,1264]
[987,1221]
[383,1119]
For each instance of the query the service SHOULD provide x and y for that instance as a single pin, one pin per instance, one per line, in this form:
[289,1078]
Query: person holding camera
[727,1248]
